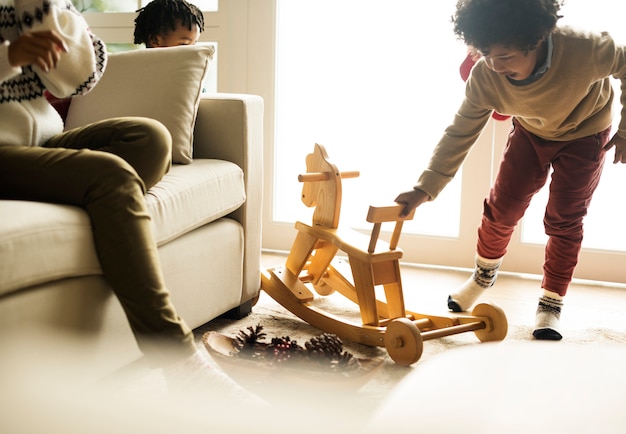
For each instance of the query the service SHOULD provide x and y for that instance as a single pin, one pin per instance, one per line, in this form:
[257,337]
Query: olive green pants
[71,168]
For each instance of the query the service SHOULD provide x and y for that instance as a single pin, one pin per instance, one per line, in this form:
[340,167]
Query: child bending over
[555,83]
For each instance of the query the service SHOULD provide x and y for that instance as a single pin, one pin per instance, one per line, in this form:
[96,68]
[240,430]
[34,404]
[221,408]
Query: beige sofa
[207,222]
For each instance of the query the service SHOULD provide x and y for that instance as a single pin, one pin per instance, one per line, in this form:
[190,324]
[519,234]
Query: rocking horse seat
[360,246]
[354,243]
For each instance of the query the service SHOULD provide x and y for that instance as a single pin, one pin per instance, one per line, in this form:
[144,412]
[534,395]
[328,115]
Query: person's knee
[151,150]
[502,210]
[110,174]
[159,139]
[570,228]
[565,214]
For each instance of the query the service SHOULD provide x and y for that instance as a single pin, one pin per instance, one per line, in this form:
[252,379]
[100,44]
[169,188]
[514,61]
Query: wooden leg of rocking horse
[318,267]
[300,251]
[387,273]
[364,284]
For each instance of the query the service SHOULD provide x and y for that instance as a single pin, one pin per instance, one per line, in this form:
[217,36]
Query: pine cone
[326,345]
[327,350]
[283,349]
[247,342]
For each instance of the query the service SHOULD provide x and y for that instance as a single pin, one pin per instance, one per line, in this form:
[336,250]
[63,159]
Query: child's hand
[38,48]
[620,148]
[411,200]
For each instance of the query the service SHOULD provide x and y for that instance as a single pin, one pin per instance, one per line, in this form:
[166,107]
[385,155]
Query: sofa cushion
[40,242]
[163,83]
[192,195]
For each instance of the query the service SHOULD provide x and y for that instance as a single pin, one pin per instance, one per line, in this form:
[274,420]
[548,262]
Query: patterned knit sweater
[571,100]
[26,118]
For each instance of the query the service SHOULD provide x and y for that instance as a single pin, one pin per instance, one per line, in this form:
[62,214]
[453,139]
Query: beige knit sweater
[571,100]
[26,117]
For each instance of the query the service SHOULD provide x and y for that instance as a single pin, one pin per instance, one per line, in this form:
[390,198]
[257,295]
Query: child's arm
[411,199]
[618,65]
[465,69]
[447,157]
[80,66]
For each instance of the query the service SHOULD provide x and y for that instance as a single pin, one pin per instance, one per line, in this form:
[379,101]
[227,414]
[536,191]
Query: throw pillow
[160,83]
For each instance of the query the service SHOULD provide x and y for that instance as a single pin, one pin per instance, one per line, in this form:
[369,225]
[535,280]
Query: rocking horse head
[322,188]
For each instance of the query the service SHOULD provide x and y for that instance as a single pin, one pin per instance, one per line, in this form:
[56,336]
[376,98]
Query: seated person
[104,168]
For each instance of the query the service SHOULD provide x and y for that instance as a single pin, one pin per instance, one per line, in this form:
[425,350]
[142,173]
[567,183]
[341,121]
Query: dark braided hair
[159,17]
[519,24]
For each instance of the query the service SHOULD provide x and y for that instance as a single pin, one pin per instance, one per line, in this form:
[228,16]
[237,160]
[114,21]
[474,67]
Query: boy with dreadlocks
[555,82]
[167,23]
[162,23]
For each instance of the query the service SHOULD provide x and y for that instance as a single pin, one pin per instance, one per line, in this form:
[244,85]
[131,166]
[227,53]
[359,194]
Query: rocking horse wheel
[497,326]
[403,341]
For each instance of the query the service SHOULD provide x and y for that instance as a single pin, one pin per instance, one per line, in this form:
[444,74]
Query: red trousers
[577,166]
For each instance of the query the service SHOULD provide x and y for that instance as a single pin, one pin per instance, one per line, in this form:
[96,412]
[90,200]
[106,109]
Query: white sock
[484,277]
[547,319]
[196,374]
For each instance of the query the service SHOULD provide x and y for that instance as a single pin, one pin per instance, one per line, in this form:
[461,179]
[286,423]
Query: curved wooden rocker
[372,262]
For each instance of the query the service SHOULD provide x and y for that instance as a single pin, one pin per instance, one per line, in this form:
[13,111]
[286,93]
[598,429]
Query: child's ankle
[548,317]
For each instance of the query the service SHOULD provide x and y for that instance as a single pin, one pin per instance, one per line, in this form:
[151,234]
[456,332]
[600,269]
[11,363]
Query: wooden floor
[588,305]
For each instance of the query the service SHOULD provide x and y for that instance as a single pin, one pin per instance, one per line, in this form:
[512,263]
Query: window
[376,82]
[373,94]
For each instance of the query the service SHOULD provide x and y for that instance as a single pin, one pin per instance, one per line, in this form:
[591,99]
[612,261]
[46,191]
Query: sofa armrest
[230,127]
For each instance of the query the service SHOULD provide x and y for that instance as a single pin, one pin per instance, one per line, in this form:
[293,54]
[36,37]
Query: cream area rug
[459,384]
[279,322]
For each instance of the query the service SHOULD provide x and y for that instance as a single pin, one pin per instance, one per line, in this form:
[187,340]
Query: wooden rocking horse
[373,262]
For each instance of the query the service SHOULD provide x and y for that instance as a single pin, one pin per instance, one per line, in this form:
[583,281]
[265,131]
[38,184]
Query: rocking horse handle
[325,176]
[382,214]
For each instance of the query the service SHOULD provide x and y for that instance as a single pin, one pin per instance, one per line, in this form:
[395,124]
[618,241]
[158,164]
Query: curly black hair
[520,24]
[159,17]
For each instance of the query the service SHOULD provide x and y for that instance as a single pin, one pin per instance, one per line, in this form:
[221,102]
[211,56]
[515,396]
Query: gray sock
[547,319]
[484,277]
